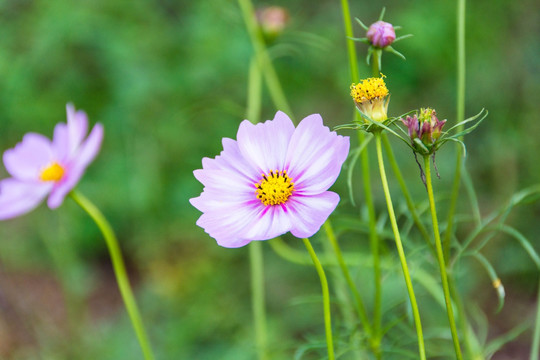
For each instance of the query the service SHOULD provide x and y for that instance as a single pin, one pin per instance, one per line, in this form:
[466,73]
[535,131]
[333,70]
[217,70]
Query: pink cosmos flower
[381,34]
[271,180]
[41,167]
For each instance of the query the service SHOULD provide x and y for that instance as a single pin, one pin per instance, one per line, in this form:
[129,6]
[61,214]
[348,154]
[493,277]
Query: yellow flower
[370,96]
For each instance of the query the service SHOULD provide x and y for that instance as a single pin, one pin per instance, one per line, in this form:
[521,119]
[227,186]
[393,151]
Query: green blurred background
[168,80]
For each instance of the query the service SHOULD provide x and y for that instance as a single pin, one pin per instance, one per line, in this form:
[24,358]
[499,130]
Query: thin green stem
[119,270]
[326,299]
[257,41]
[460,116]
[401,253]
[405,191]
[440,258]
[253,113]
[360,308]
[375,65]
[535,347]
[257,298]
[366,177]
[254,92]
[351,50]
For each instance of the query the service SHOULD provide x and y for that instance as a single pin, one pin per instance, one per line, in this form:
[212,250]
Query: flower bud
[426,127]
[272,20]
[381,34]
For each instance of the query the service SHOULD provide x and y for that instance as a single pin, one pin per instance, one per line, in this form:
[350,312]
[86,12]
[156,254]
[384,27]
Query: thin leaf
[495,280]
[468,120]
[361,24]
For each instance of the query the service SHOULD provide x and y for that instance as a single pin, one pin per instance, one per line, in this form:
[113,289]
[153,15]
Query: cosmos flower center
[53,172]
[274,188]
[368,90]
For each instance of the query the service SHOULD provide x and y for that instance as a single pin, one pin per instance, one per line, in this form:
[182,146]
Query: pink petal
[308,213]
[265,145]
[315,156]
[19,197]
[29,157]
[60,143]
[75,169]
[77,123]
[232,160]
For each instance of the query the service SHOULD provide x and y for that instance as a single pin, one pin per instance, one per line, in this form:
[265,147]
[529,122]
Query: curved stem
[119,270]
[440,258]
[326,299]
[460,116]
[401,253]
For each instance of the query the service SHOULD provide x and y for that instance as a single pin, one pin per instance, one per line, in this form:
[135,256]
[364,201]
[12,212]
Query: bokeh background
[168,80]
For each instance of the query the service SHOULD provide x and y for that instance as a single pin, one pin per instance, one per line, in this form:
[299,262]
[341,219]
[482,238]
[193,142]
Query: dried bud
[381,34]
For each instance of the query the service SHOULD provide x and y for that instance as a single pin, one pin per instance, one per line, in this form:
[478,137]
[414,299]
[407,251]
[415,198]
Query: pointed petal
[19,197]
[265,145]
[60,142]
[28,158]
[309,213]
[77,123]
[315,156]
[86,153]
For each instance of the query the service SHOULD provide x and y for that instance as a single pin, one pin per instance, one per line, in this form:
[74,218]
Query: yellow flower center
[369,89]
[53,172]
[274,188]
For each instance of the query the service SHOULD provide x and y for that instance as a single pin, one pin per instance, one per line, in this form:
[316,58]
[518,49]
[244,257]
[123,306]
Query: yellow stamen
[53,172]
[274,188]
[369,89]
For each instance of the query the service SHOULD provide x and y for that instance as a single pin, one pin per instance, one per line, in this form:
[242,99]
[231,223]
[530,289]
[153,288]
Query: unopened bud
[381,34]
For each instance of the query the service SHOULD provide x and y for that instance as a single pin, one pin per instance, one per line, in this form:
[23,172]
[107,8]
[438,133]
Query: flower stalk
[119,270]
[366,181]
[401,253]
[440,258]
[326,298]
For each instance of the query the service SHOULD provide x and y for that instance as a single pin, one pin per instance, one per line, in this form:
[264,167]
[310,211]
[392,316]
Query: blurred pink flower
[381,34]
[41,167]
[271,180]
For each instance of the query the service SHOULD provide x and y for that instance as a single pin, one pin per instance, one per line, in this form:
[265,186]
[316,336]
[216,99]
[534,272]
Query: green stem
[119,270]
[401,253]
[341,261]
[257,297]
[440,258]
[535,347]
[326,299]
[253,113]
[375,65]
[257,41]
[460,116]
[405,191]
[366,177]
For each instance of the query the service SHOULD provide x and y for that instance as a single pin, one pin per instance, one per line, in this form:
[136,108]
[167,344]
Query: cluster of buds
[424,131]
[371,98]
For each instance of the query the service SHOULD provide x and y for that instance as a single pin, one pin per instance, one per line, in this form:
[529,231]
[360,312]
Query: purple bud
[381,34]
[412,125]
